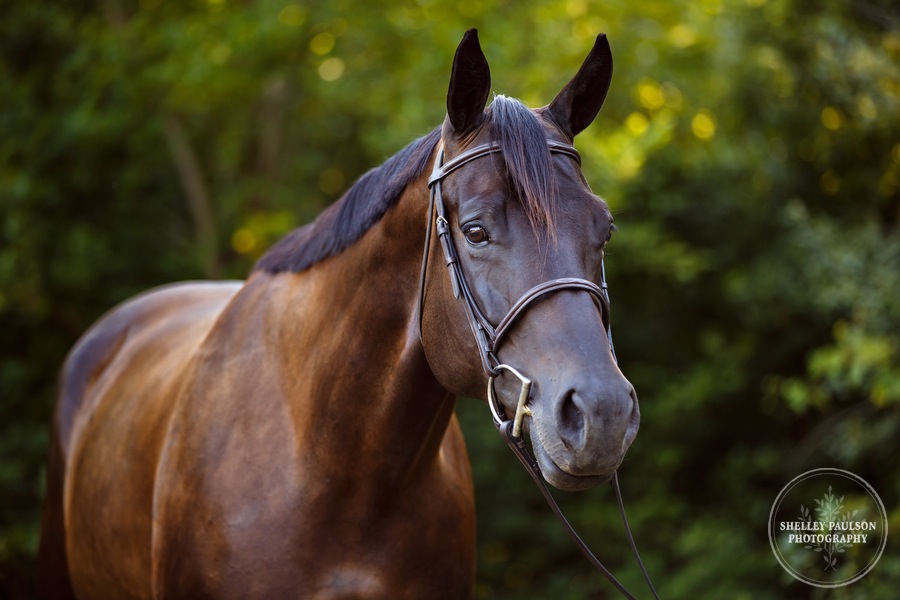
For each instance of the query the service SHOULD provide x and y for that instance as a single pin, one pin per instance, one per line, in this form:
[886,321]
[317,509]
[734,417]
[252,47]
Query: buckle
[521,408]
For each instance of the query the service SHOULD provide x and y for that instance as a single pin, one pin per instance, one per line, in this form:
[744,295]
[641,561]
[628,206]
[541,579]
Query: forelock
[527,158]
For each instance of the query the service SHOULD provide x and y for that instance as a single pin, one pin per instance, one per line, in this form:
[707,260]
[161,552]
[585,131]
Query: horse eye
[475,234]
[609,234]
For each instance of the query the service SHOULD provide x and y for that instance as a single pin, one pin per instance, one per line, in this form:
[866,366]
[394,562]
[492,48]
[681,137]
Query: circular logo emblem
[828,527]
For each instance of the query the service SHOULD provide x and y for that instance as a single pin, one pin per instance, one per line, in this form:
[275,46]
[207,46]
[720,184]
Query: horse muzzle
[578,440]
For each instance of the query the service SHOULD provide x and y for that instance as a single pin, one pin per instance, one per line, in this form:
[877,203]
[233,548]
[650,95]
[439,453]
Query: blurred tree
[749,148]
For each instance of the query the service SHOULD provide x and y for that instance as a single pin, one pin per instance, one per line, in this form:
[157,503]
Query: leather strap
[517,445]
[542,289]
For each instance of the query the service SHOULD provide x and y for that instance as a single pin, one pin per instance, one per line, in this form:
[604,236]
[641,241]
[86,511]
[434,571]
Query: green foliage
[750,150]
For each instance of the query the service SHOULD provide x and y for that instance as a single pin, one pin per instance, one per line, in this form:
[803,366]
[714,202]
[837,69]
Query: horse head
[514,213]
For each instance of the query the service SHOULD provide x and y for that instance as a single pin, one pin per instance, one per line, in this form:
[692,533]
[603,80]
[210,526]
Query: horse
[293,434]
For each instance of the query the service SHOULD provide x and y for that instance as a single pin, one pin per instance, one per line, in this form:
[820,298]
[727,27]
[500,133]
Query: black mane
[361,207]
[525,155]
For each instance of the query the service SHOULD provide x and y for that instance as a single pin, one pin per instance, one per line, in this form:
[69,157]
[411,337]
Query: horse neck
[351,363]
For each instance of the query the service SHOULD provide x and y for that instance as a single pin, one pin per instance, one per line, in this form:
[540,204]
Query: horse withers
[292,435]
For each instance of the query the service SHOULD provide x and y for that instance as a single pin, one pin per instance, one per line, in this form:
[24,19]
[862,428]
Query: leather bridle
[488,336]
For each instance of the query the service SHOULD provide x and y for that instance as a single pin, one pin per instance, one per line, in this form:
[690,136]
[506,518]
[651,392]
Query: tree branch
[195,191]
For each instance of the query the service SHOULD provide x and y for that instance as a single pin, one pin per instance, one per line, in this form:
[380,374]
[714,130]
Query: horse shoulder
[228,474]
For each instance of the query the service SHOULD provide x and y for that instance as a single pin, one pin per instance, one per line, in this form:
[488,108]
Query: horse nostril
[572,421]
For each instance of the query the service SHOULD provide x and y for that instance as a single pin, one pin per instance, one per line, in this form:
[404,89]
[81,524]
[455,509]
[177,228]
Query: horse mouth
[560,479]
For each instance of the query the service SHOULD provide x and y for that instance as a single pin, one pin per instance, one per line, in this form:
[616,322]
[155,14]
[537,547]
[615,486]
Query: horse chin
[559,478]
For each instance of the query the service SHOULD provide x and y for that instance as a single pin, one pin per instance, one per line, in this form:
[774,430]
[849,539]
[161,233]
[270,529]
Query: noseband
[488,336]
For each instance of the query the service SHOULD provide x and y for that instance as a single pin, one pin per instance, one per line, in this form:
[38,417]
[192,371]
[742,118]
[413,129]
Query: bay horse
[293,435]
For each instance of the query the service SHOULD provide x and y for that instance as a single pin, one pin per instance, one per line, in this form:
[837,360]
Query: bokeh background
[750,150]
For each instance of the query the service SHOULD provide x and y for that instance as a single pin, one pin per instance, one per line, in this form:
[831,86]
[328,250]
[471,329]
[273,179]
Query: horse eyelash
[612,228]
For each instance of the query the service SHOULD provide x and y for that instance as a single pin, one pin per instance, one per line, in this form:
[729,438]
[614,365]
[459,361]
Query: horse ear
[578,103]
[470,84]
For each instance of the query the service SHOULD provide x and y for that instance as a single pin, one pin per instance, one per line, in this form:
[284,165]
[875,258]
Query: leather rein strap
[488,337]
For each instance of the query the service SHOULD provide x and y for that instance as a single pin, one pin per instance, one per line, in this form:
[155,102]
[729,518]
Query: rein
[488,338]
